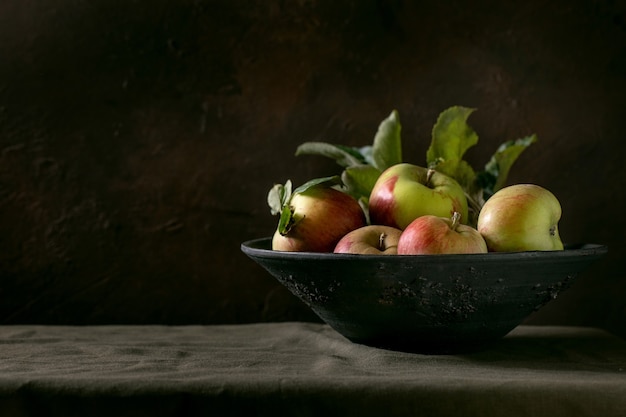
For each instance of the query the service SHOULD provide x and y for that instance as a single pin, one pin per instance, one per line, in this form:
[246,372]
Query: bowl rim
[261,247]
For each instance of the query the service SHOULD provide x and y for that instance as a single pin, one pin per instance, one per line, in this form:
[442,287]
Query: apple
[404,192]
[521,217]
[318,218]
[432,235]
[370,240]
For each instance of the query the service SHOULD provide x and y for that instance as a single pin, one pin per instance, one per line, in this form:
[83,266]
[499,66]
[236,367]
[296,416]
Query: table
[302,369]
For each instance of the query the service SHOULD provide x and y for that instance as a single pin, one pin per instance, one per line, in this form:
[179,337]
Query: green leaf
[367,152]
[286,221]
[278,196]
[464,174]
[387,147]
[357,153]
[451,138]
[500,164]
[329,181]
[344,156]
[360,180]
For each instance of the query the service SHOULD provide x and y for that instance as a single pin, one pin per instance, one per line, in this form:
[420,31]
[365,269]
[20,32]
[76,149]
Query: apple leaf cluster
[451,137]
[363,165]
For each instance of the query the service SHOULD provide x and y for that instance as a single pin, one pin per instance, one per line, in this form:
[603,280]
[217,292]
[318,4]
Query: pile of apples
[380,204]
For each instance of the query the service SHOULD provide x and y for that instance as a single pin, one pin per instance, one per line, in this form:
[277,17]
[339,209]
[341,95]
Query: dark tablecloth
[302,369]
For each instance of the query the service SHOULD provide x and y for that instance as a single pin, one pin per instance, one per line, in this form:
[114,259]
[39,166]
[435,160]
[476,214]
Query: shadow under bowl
[434,304]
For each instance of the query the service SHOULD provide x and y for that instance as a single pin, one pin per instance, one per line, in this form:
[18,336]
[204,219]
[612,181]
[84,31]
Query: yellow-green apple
[404,192]
[370,240]
[316,219]
[521,217]
[432,235]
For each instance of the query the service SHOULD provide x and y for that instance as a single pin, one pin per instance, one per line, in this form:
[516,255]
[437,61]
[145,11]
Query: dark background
[138,139]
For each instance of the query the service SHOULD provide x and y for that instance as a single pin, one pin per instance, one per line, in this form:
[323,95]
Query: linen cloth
[302,369]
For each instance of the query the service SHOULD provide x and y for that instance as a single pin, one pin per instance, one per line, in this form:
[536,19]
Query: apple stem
[381,241]
[429,175]
[456,220]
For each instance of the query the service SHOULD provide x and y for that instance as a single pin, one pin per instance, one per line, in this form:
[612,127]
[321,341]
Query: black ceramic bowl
[424,303]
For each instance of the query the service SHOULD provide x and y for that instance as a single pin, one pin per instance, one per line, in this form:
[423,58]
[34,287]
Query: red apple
[405,192]
[521,217]
[431,235]
[315,219]
[370,240]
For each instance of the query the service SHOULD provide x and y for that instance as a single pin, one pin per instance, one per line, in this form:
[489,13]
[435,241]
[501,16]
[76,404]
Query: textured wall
[138,139]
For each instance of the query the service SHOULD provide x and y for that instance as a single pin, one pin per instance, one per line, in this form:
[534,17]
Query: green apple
[370,240]
[433,235]
[317,218]
[404,192]
[521,217]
